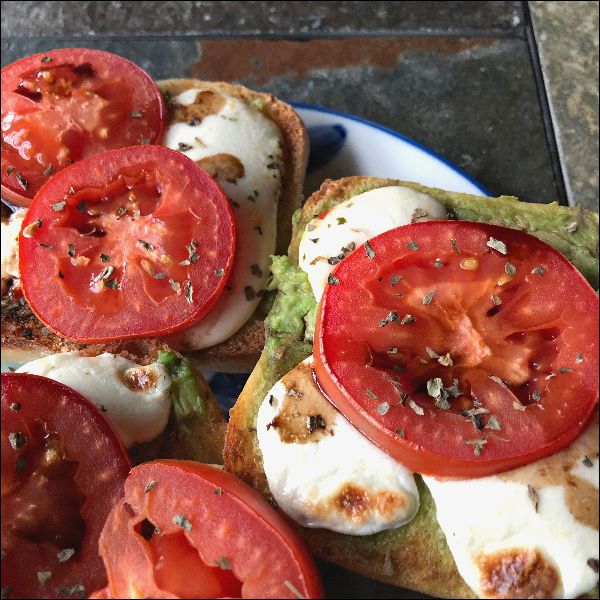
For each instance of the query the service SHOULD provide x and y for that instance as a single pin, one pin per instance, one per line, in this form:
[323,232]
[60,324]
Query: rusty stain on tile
[263,60]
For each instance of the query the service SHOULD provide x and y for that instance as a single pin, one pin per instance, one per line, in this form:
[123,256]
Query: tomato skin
[227,518]
[61,106]
[543,346]
[142,213]
[88,442]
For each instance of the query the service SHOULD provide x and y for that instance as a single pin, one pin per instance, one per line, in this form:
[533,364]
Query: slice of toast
[196,436]
[416,555]
[24,337]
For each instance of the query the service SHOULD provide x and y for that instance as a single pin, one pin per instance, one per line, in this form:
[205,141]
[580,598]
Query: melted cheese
[10,246]
[348,225]
[321,471]
[135,399]
[242,149]
[541,518]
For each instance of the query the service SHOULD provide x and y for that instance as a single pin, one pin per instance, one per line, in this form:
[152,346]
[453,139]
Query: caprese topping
[130,243]
[65,105]
[461,349]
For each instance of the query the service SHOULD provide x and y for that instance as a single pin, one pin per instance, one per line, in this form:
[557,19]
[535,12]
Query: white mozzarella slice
[10,245]
[240,131]
[135,399]
[541,519]
[348,225]
[321,471]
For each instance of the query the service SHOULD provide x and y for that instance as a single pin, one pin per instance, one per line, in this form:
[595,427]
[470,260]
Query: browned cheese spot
[517,573]
[358,503]
[206,103]
[140,379]
[293,421]
[581,497]
[224,167]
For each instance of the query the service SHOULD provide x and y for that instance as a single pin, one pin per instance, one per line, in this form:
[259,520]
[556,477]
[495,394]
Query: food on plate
[186,530]
[159,404]
[477,326]
[255,148]
[62,106]
[63,468]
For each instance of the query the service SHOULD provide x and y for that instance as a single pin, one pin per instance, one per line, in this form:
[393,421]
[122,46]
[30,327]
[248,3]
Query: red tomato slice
[63,468]
[65,105]
[130,243]
[461,349]
[188,530]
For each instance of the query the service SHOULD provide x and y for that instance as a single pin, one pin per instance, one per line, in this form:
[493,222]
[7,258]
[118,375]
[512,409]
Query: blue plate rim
[400,136]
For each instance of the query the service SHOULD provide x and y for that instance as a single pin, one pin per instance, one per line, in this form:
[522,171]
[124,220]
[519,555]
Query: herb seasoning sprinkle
[65,554]
[383,408]
[151,484]
[428,298]
[412,245]
[182,522]
[497,245]
[369,250]
[224,563]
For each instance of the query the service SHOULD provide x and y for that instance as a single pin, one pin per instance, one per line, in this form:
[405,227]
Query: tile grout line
[558,170]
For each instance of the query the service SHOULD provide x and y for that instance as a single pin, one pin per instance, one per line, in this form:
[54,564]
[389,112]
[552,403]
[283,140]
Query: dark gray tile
[570,67]
[474,102]
[287,19]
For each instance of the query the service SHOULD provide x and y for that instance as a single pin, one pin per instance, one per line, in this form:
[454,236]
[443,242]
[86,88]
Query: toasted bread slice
[416,555]
[196,436]
[24,337]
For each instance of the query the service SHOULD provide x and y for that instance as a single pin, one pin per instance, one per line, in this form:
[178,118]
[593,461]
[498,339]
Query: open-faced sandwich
[425,408]
[66,106]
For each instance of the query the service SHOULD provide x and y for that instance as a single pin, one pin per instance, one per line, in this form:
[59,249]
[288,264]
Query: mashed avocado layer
[289,333]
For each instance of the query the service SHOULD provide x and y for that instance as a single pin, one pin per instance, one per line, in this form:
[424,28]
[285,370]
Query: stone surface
[567,40]
[287,19]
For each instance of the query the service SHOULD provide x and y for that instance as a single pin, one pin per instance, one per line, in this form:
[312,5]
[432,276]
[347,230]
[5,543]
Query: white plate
[344,145]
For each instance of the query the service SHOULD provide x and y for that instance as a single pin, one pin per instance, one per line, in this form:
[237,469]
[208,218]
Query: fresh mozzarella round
[242,150]
[135,399]
[329,238]
[321,471]
[541,519]
[10,246]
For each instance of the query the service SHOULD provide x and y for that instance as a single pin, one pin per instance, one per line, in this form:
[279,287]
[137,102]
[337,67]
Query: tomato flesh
[459,356]
[180,518]
[66,105]
[135,242]
[63,467]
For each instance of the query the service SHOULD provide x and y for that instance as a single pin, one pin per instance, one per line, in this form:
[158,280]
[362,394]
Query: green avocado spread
[290,323]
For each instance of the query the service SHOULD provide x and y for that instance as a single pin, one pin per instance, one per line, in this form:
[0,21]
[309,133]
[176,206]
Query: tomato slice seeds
[462,349]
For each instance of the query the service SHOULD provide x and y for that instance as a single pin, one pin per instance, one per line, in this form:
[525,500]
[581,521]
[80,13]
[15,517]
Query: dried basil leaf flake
[565,370]
[150,485]
[497,245]
[332,280]
[146,245]
[224,563]
[383,408]
[58,205]
[65,554]
[412,245]
[428,298]
[407,319]
[16,406]
[416,407]
[579,358]
[369,250]
[293,589]
[104,258]
[510,269]
[400,432]
[494,424]
[478,444]
[392,317]
[24,183]
[519,406]
[371,394]
[454,246]
[394,279]
[587,461]
[71,250]
[188,290]
[44,576]
[539,271]
[182,522]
